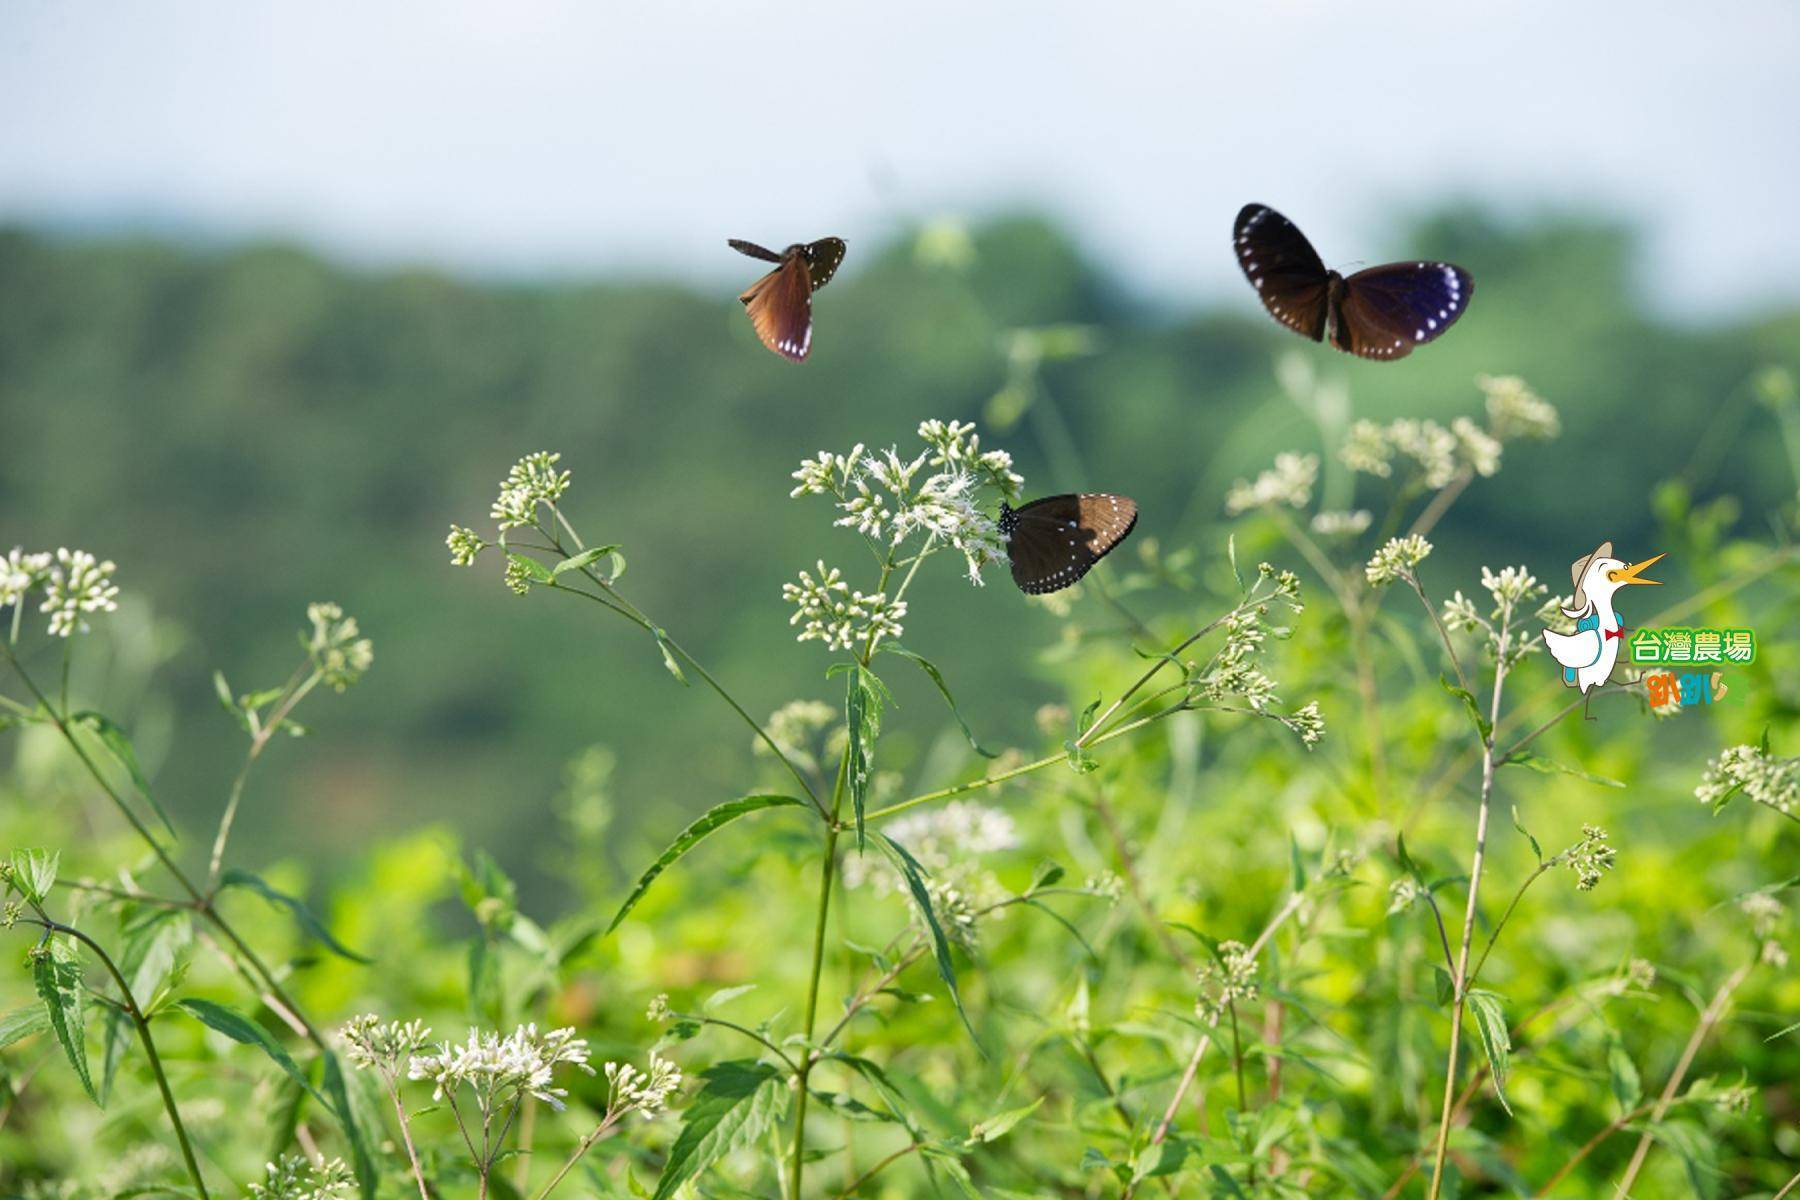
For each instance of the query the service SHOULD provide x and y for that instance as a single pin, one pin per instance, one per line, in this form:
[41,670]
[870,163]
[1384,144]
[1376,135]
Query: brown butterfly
[1053,542]
[780,303]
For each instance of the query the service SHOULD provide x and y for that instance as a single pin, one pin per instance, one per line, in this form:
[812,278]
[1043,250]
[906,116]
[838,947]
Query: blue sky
[523,137]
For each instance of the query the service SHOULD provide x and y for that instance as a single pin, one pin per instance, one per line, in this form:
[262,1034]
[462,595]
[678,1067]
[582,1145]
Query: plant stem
[827,871]
[1589,1146]
[412,1153]
[586,1144]
[1460,977]
[142,1024]
[1715,1010]
[877,1169]
[292,694]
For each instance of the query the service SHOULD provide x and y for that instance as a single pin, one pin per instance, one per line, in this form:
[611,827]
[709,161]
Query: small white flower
[1228,981]
[1478,448]
[1397,560]
[499,1069]
[368,1043]
[340,655]
[464,545]
[1367,449]
[647,1092]
[1307,722]
[1514,410]
[1430,445]
[1460,614]
[20,573]
[295,1178]
[1341,524]
[77,584]
[1774,782]
[1289,482]
[533,480]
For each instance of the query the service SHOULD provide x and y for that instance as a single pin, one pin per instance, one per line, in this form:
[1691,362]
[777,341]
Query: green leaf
[937,677]
[228,702]
[344,1110]
[693,835]
[735,1104]
[997,1127]
[668,656]
[119,744]
[57,974]
[315,928]
[1296,866]
[725,996]
[1549,766]
[1490,1021]
[22,1023]
[1231,556]
[588,558]
[34,873]
[1526,833]
[1481,723]
[152,963]
[1446,987]
[239,1028]
[1622,1073]
[862,718]
[1697,1151]
[538,572]
[921,897]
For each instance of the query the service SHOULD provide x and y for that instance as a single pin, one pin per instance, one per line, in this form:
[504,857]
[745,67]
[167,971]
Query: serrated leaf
[997,1127]
[914,875]
[315,928]
[693,835]
[57,976]
[22,1023]
[239,1028]
[943,688]
[1549,766]
[34,873]
[733,1107]
[1490,1022]
[862,720]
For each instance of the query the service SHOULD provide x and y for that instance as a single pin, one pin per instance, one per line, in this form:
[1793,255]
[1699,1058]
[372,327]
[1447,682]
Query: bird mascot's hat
[1578,603]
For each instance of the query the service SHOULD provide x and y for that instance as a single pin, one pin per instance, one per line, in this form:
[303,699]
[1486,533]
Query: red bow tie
[1615,633]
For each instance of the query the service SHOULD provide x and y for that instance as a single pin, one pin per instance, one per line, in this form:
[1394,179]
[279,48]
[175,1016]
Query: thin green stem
[877,1169]
[606,1123]
[295,690]
[827,872]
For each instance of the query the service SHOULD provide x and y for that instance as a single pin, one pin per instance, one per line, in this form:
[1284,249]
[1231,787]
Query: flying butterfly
[780,303]
[1382,313]
[1053,542]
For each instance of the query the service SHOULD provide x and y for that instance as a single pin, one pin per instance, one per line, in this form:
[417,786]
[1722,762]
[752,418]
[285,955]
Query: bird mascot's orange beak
[1630,574]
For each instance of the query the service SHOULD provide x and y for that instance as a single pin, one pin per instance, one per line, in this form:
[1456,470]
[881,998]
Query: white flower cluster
[295,1178]
[889,499]
[829,611]
[74,583]
[1307,722]
[1768,918]
[1342,524]
[1403,893]
[1397,560]
[500,1069]
[369,1043]
[1227,981]
[1289,482]
[338,652]
[1233,671]
[806,732]
[1774,782]
[1589,858]
[947,842]
[1515,411]
[646,1091]
[532,481]
[1372,449]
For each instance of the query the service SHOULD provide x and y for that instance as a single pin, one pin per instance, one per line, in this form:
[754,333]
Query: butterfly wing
[822,259]
[1389,311]
[780,308]
[1055,541]
[1282,266]
[753,250]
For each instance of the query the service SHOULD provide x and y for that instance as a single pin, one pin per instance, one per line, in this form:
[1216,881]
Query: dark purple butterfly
[1383,312]
[780,303]
[1053,542]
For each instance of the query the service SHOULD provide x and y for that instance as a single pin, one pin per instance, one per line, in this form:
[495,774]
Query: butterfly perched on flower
[780,303]
[1383,313]
[1053,542]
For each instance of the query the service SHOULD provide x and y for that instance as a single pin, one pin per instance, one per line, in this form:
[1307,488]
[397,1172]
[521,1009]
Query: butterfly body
[780,303]
[1055,541]
[1381,313]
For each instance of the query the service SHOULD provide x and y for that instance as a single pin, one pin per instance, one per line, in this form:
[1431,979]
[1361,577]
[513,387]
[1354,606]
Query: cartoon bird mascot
[1588,655]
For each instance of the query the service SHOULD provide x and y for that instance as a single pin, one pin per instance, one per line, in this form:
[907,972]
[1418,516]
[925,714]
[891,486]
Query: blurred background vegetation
[247,430]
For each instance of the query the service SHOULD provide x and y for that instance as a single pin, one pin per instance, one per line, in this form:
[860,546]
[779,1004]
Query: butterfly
[1053,542]
[1384,312]
[780,303]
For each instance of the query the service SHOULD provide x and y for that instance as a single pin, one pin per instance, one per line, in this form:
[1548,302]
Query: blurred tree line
[248,430]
